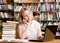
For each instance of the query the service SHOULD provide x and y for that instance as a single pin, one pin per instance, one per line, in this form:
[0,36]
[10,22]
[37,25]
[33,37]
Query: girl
[28,27]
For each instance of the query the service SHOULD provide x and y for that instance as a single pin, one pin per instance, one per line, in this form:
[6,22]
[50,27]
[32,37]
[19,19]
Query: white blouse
[32,32]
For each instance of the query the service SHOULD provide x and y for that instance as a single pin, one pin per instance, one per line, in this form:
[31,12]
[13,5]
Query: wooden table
[53,41]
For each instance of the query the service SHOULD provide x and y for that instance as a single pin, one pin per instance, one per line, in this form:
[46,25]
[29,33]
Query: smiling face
[27,15]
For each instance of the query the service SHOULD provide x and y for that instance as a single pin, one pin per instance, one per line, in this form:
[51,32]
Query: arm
[40,36]
[39,32]
[22,33]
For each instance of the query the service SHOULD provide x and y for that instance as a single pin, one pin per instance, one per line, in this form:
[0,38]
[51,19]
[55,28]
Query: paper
[15,40]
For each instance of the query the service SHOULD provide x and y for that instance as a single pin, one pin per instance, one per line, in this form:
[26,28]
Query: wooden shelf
[16,11]
[25,2]
[33,11]
[8,10]
[6,3]
[48,11]
[3,3]
[6,18]
[35,2]
[50,20]
[49,2]
[38,11]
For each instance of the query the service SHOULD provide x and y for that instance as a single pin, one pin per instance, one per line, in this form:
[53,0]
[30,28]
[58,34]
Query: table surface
[53,41]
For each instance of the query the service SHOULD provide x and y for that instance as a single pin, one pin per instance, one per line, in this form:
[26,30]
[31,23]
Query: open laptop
[50,33]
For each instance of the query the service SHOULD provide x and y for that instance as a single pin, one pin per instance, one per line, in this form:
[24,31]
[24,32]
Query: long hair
[20,19]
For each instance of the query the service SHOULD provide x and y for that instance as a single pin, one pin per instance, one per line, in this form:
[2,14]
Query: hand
[40,37]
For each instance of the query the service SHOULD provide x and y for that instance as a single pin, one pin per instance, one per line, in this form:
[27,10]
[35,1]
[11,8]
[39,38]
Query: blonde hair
[20,19]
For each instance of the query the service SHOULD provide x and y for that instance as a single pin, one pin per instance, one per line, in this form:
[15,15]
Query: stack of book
[8,30]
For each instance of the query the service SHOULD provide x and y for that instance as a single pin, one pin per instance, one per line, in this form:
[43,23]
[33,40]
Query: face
[27,15]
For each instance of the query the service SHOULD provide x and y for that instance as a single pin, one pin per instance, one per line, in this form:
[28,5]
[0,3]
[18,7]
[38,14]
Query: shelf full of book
[6,10]
[44,11]
[30,4]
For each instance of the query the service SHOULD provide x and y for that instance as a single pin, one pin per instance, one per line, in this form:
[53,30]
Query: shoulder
[35,22]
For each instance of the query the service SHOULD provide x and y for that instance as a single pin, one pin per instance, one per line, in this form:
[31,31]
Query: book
[57,33]
[48,7]
[2,7]
[34,7]
[7,37]
[10,6]
[55,16]
[59,15]
[44,25]
[2,16]
[57,6]
[38,8]
[52,7]
[43,7]
[6,15]
[9,32]
[42,16]
[6,29]
[50,23]
[50,16]
[55,23]
[15,40]
[17,8]
[16,16]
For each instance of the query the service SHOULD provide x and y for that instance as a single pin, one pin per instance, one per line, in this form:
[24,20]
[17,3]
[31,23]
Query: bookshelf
[6,10]
[44,11]
[24,3]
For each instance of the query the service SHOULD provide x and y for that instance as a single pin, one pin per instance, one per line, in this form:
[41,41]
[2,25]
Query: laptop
[50,33]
